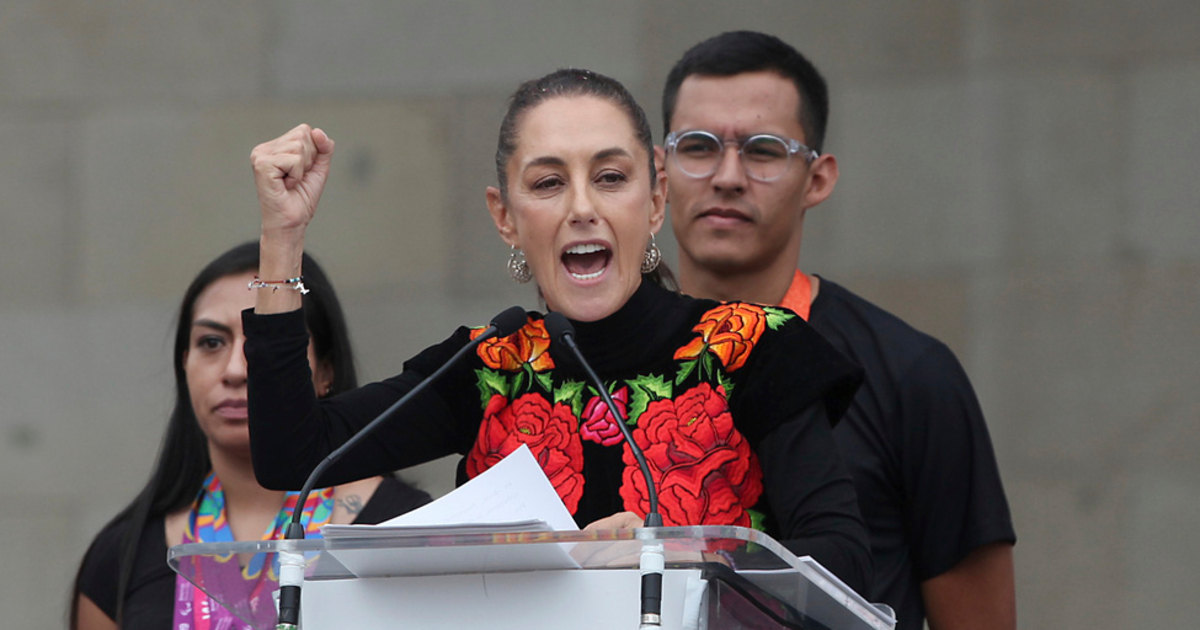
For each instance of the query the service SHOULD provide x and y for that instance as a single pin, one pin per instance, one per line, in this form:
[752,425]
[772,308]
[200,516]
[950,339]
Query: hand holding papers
[514,490]
[512,496]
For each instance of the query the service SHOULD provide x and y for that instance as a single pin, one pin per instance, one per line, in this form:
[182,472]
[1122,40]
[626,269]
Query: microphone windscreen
[558,327]
[509,321]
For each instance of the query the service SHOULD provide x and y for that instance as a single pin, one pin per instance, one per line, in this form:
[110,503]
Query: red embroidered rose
[527,345]
[730,331]
[598,424]
[550,432]
[705,471]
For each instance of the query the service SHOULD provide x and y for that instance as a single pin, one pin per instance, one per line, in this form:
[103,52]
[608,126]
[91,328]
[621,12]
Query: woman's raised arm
[289,174]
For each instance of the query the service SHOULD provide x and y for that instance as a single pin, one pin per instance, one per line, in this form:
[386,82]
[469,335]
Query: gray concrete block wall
[38,228]
[1164,149]
[1017,178]
[438,47]
[936,206]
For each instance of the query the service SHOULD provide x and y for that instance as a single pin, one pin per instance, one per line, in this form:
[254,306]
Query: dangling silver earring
[651,257]
[517,267]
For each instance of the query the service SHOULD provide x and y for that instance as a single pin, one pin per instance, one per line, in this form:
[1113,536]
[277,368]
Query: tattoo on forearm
[352,503]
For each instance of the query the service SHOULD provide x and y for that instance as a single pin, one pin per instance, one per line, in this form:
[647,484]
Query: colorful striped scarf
[247,589]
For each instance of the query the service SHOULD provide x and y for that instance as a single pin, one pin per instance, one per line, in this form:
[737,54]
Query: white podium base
[580,600]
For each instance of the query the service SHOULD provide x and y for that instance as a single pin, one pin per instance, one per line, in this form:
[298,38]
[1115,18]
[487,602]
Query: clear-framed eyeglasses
[764,157]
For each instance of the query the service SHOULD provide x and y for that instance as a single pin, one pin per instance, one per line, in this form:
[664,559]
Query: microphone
[652,561]
[291,563]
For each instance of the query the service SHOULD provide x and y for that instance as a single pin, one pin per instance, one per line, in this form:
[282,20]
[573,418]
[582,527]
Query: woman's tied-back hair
[568,82]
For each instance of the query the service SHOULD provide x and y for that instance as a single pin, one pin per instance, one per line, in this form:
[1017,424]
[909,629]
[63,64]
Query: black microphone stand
[652,562]
[291,562]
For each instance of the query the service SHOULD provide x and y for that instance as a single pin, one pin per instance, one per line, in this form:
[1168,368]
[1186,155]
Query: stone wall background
[1018,178]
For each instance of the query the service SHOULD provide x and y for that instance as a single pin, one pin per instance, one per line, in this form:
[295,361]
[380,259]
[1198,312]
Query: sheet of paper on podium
[510,497]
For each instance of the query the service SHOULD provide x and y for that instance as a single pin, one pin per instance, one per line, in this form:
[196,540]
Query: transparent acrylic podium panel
[744,569]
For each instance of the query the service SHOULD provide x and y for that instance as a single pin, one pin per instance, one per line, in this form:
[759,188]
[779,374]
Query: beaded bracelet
[295,284]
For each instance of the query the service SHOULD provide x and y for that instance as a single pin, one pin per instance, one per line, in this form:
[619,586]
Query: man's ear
[822,177]
[659,199]
[498,208]
[660,162]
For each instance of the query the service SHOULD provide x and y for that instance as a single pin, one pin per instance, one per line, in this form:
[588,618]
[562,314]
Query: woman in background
[203,487]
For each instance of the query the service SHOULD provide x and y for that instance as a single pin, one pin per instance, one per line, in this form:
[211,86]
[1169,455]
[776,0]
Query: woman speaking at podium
[732,403]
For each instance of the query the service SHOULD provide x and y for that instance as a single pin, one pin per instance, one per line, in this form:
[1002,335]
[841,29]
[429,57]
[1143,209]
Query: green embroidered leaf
[654,384]
[638,402]
[685,369]
[777,317]
[571,392]
[518,383]
[757,520]
[543,379]
[568,391]
[644,390]
[490,383]
[592,391]
[724,381]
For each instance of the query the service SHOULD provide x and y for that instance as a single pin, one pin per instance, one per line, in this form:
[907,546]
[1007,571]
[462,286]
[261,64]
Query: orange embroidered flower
[527,345]
[729,331]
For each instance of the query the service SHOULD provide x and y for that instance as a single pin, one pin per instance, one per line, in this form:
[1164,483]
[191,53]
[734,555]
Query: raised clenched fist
[290,173]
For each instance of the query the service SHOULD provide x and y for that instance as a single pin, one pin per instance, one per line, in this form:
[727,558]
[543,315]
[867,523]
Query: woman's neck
[630,336]
[249,507]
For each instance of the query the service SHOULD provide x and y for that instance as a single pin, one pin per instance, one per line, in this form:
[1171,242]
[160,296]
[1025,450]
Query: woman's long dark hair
[183,461]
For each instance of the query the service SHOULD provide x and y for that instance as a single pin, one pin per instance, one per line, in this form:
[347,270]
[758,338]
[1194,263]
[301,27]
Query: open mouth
[585,262]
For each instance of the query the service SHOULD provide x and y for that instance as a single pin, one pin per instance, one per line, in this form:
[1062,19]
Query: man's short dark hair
[736,52]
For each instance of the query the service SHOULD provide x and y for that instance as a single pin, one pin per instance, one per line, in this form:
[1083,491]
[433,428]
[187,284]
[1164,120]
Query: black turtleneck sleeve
[812,497]
[291,431]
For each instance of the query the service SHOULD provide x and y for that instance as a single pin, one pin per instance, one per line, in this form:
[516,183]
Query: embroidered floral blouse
[732,404]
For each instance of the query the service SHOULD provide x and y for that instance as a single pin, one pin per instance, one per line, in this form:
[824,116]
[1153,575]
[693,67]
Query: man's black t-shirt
[916,444]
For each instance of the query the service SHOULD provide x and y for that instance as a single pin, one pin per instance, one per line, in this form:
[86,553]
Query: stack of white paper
[512,496]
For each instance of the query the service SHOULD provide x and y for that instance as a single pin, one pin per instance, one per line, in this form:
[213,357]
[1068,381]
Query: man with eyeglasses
[745,118]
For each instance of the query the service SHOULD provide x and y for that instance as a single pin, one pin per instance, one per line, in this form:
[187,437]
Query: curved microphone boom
[652,561]
[291,564]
